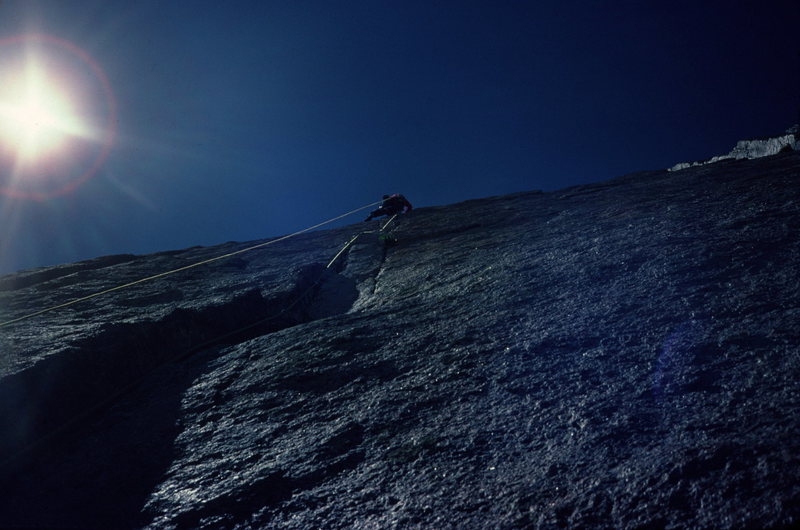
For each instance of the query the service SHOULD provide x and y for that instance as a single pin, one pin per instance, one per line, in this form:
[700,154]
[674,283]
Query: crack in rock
[621,355]
[85,376]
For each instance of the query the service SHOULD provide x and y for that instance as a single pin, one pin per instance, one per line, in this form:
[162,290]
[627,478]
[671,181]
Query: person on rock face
[392,205]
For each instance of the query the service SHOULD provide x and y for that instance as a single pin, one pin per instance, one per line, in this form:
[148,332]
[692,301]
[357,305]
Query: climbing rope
[186,267]
[99,405]
[353,240]
[297,300]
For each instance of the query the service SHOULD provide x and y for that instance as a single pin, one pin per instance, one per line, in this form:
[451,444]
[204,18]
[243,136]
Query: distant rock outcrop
[615,355]
[755,148]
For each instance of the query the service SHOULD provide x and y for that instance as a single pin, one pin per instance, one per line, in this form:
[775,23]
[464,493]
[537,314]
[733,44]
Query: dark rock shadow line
[84,444]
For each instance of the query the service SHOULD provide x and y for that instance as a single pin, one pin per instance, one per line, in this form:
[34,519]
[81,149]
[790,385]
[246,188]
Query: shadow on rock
[89,433]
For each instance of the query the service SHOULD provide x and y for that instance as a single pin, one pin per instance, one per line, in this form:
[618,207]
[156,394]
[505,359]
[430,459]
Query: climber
[392,205]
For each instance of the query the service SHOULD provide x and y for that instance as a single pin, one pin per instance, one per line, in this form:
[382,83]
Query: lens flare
[57,117]
[36,116]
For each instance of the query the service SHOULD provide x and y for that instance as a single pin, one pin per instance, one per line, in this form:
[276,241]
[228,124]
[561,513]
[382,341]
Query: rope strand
[87,412]
[187,267]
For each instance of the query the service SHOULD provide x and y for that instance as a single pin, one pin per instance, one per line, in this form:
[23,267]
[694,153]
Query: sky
[195,122]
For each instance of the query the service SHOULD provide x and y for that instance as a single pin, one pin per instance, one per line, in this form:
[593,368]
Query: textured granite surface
[616,355]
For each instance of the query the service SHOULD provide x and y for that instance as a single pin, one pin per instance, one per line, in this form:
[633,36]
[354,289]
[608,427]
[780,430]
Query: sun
[58,117]
[37,116]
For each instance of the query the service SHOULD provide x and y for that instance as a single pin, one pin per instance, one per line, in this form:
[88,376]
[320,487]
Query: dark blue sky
[244,120]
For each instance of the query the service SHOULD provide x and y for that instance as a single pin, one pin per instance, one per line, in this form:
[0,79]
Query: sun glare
[57,117]
[36,116]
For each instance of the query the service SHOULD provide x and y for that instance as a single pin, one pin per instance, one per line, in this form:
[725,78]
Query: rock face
[755,148]
[617,355]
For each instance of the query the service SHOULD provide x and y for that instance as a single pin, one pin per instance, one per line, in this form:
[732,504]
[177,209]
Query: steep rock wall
[621,354]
